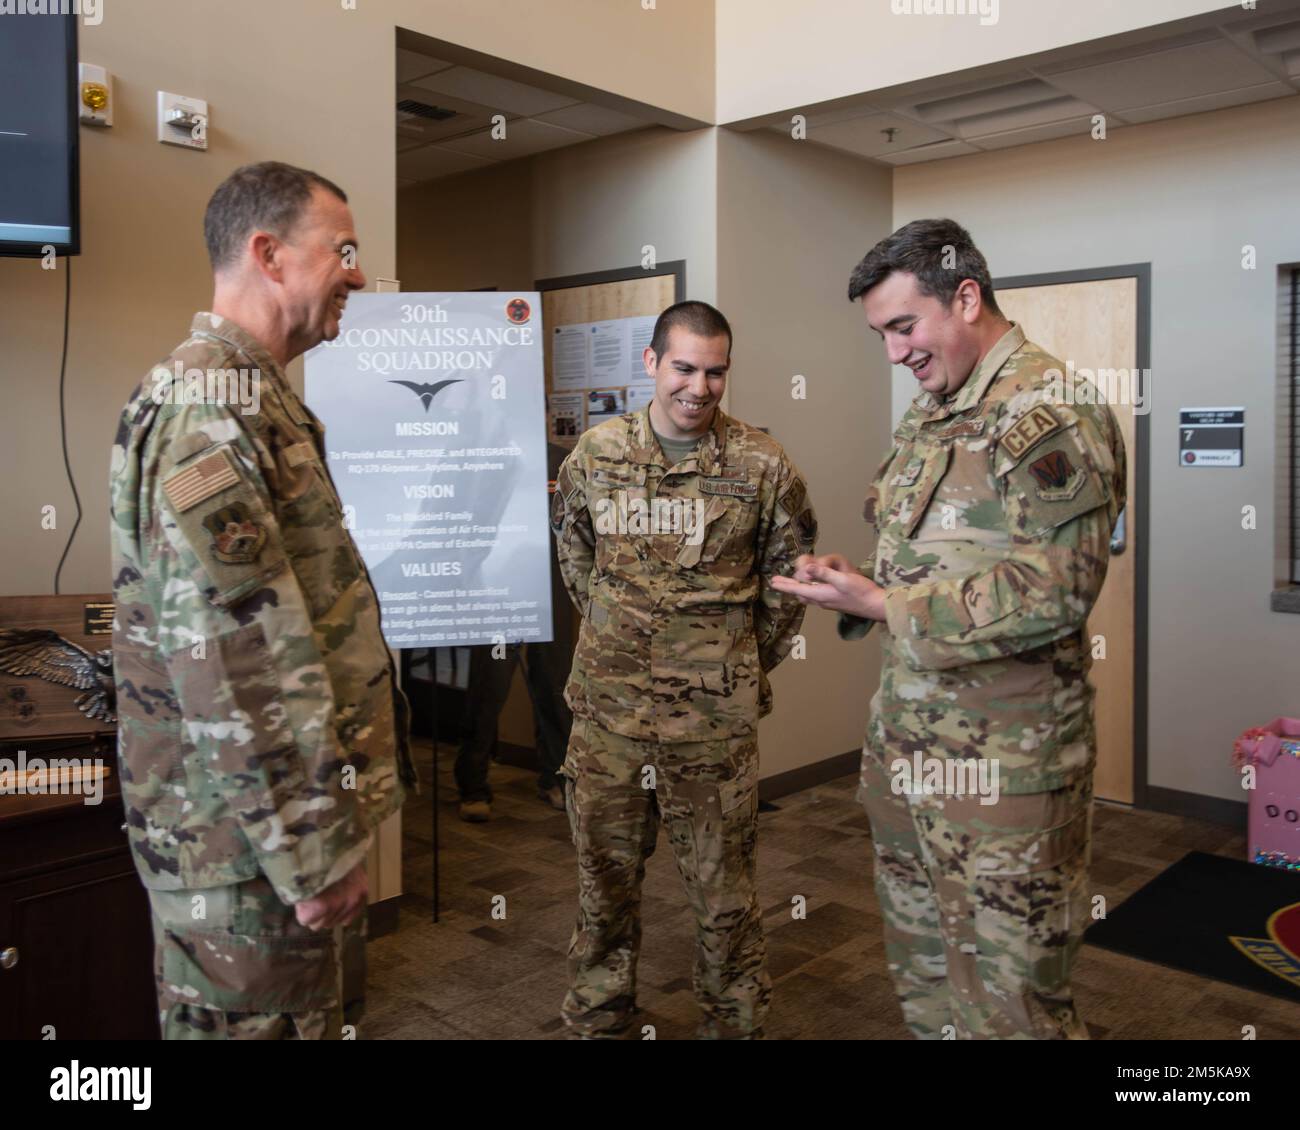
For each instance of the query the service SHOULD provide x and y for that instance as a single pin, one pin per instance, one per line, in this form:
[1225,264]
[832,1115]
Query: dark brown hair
[940,254]
[695,317]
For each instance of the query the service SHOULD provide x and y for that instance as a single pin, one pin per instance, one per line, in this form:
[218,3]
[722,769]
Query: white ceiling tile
[1091,57]
[431,161]
[937,93]
[832,117]
[991,100]
[1012,137]
[596,120]
[1163,76]
[1209,102]
[523,137]
[1056,110]
[866,137]
[495,92]
[413,65]
[935,152]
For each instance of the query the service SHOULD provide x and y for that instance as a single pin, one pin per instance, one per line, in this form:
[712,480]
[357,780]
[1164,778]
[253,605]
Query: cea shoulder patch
[1030,430]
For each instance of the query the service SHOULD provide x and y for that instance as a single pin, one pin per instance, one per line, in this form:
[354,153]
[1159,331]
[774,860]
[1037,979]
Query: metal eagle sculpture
[47,655]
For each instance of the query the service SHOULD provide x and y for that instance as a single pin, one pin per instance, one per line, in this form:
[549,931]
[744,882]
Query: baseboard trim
[381,917]
[1215,809]
[808,776]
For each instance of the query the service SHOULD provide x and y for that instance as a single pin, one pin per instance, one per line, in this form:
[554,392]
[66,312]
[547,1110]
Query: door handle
[8,957]
[1119,538]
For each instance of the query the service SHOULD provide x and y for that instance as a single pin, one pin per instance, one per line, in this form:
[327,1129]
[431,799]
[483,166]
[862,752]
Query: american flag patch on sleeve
[210,475]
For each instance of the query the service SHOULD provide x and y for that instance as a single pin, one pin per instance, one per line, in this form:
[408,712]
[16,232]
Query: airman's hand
[336,905]
[831,582]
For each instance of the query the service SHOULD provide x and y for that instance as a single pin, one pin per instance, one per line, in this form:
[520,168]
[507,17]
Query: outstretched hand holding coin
[830,581]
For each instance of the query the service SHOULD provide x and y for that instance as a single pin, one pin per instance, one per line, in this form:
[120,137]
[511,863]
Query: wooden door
[1094,325]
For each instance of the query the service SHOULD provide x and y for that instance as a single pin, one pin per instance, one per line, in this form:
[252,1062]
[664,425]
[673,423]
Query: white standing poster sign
[435,432]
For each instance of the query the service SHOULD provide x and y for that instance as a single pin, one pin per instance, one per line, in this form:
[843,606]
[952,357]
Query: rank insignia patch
[236,538]
[1058,479]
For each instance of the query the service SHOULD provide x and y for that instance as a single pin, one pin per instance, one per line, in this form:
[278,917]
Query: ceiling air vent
[414,109]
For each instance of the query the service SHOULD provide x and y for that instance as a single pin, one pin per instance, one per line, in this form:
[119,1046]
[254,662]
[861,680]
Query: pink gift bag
[1274,822]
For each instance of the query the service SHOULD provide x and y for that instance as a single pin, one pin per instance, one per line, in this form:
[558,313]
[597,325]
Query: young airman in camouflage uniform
[994,510]
[262,736]
[680,628]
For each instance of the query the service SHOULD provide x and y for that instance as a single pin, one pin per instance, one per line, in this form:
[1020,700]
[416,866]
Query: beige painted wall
[793,219]
[304,81]
[595,206]
[1186,196]
[469,231]
[774,55]
[589,207]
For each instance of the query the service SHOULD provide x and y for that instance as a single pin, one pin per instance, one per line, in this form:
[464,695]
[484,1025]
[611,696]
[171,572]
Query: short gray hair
[269,196]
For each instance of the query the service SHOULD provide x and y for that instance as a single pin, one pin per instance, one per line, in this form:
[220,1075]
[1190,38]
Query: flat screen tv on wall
[39,205]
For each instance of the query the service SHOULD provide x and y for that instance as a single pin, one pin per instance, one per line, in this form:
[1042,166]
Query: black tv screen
[38,135]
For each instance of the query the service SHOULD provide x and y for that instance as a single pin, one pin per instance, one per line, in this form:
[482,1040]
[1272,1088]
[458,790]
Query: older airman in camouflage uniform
[994,510]
[680,628]
[262,735]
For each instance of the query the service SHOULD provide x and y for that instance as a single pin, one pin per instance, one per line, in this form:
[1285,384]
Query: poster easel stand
[408,680]
[433,726]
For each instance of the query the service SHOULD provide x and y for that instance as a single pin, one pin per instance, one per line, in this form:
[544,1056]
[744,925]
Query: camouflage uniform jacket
[261,728]
[679,629]
[994,512]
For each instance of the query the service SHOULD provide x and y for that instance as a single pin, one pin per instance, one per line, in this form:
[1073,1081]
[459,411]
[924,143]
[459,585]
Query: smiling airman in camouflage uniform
[262,735]
[994,511]
[679,632]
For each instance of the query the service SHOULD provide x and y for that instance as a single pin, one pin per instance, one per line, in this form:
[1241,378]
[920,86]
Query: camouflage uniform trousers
[707,795]
[984,906]
[247,970]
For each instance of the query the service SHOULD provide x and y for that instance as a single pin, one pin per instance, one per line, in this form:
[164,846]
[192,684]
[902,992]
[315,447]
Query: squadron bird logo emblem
[426,392]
